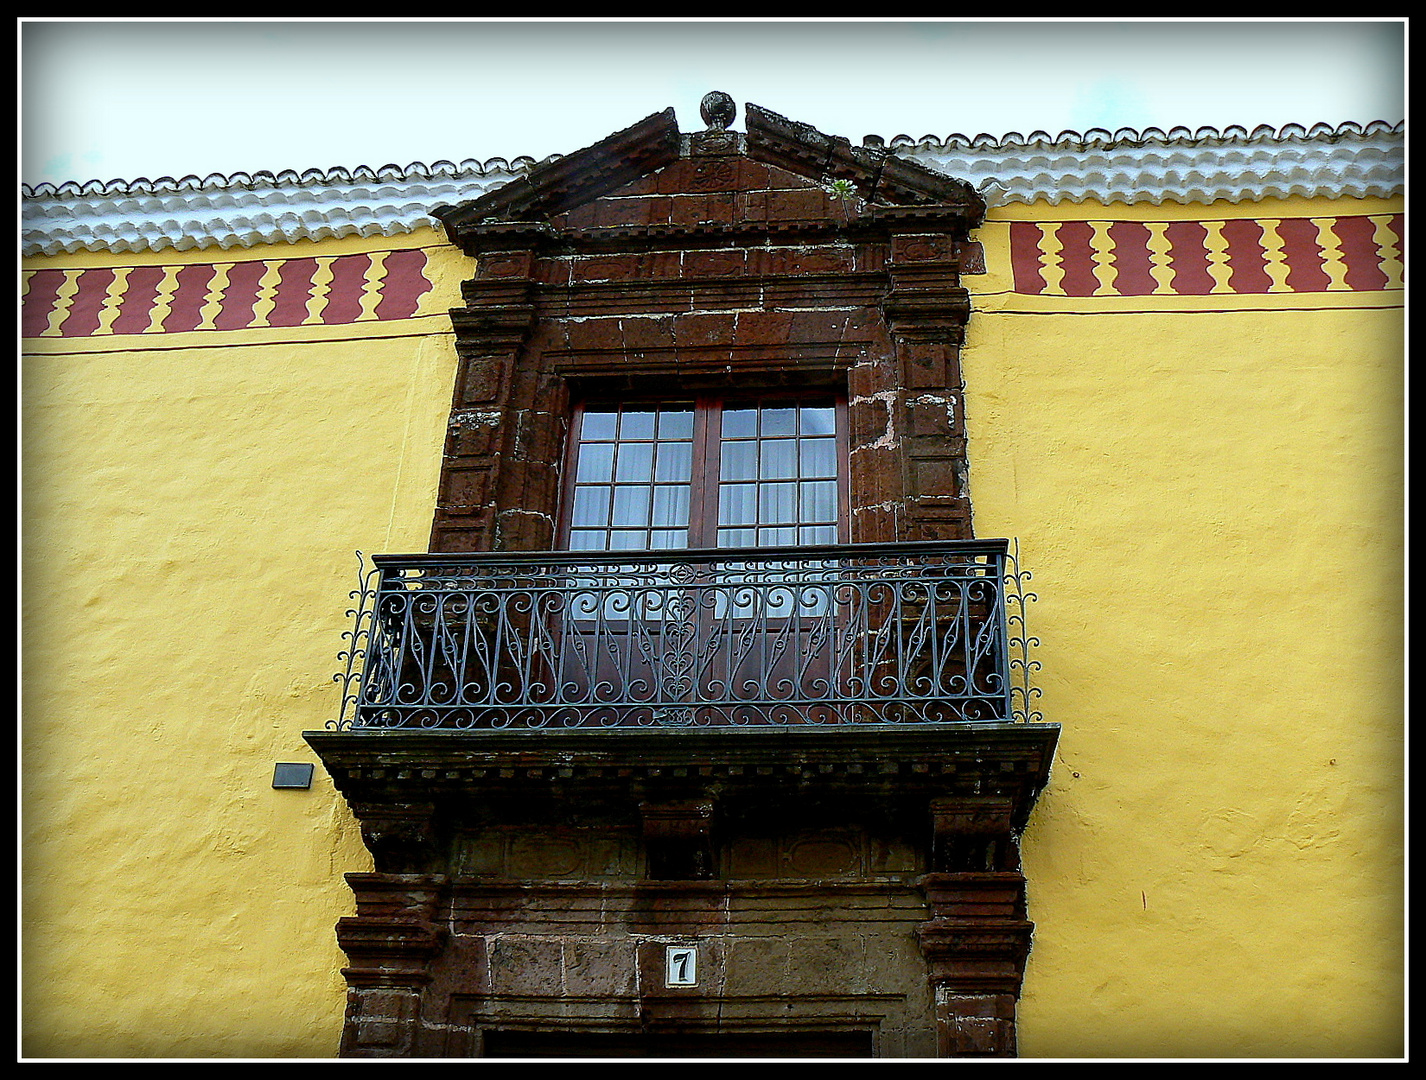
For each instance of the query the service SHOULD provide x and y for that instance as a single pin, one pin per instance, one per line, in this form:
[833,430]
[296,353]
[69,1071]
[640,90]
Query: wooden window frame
[708,410]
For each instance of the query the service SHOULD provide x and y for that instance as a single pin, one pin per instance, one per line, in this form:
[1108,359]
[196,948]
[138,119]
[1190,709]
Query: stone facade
[843,891]
[855,891]
[776,259]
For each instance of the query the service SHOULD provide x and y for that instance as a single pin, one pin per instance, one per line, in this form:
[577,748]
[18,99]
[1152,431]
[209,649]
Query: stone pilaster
[490,332]
[390,944]
[926,311]
[975,944]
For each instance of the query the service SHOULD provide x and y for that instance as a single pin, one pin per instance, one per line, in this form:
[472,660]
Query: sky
[150,98]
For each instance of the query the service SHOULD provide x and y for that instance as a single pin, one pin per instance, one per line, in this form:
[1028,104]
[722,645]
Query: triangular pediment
[564,182]
[779,175]
[877,174]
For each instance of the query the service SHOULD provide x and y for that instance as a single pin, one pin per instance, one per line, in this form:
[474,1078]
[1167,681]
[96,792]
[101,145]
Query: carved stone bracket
[679,840]
[400,835]
[973,833]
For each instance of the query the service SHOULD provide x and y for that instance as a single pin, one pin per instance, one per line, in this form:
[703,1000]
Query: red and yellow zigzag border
[319,291]
[1361,253]
[1094,258]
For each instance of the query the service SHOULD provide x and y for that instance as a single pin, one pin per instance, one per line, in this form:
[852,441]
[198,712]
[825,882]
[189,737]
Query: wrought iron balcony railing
[845,634]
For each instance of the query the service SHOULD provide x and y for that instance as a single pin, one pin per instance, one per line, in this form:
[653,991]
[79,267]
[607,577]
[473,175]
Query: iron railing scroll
[1019,643]
[911,633]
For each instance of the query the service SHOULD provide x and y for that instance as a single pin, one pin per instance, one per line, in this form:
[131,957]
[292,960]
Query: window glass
[596,462]
[632,477]
[678,475]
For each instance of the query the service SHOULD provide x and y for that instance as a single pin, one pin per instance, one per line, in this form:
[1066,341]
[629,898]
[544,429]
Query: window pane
[819,421]
[597,425]
[740,423]
[666,539]
[675,462]
[819,501]
[676,424]
[777,504]
[737,504]
[587,540]
[779,421]
[671,505]
[631,506]
[591,506]
[779,459]
[637,425]
[636,463]
[818,457]
[737,537]
[777,537]
[817,534]
[739,461]
[628,539]
[596,463]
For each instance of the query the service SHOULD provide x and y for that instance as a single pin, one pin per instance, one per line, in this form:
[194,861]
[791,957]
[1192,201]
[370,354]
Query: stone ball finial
[717,110]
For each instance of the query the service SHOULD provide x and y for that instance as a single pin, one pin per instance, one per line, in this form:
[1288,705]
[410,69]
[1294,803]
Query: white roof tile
[1126,166]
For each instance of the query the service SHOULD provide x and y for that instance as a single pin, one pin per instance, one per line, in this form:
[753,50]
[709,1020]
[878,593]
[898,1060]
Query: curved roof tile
[1126,166]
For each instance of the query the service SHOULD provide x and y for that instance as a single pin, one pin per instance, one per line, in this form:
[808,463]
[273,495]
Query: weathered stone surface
[826,881]
[631,214]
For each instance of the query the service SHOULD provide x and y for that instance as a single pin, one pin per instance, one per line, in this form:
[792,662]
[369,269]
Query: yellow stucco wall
[1210,500]
[1208,495]
[192,505]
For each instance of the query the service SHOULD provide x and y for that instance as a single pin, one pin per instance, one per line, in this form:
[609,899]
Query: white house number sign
[681,965]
